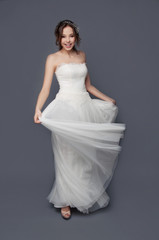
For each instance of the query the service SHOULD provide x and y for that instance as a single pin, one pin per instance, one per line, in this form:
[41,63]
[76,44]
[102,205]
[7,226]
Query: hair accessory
[73,24]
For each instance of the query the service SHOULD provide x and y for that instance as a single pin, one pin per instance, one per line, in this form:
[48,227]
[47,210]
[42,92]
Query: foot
[66,212]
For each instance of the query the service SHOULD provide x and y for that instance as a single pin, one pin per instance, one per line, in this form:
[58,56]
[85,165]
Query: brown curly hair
[59,29]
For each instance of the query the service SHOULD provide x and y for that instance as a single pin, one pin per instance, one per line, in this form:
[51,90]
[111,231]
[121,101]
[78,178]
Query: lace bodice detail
[71,77]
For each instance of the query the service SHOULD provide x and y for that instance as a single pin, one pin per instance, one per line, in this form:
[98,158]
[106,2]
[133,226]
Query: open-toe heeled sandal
[64,213]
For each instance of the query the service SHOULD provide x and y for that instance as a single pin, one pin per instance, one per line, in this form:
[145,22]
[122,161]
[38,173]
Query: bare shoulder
[52,59]
[83,55]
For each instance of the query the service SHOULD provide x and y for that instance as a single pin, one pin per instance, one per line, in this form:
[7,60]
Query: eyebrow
[64,34]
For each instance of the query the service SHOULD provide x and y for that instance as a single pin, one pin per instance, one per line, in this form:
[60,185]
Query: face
[68,38]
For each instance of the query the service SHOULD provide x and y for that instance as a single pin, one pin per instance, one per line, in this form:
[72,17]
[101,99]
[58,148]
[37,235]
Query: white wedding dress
[85,141]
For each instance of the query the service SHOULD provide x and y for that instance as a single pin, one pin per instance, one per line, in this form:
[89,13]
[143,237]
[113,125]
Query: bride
[67,35]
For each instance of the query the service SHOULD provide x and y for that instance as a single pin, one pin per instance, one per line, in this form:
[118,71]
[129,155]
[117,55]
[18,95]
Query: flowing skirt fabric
[85,142]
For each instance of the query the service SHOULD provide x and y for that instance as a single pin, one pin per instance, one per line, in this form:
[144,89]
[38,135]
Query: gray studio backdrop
[120,39]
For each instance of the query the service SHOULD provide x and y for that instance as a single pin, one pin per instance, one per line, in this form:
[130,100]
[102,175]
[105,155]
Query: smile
[68,45]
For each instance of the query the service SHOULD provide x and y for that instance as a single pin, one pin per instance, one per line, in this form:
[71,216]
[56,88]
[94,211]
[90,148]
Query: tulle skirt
[85,142]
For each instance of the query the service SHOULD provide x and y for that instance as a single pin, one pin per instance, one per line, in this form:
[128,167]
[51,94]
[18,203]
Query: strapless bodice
[71,77]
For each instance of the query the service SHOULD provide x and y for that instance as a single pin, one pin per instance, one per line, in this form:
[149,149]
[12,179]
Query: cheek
[62,40]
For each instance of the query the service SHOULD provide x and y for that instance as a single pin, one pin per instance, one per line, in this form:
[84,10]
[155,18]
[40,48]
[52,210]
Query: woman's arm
[94,91]
[44,93]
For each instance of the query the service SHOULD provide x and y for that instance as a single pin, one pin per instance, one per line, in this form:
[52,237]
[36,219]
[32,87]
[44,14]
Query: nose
[68,39]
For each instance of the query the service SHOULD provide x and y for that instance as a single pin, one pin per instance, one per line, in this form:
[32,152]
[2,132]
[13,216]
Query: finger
[37,121]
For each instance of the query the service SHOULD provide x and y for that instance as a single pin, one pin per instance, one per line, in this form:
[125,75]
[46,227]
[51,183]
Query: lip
[69,45]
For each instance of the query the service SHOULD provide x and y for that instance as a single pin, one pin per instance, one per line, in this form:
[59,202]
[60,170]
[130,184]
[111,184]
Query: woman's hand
[36,116]
[112,100]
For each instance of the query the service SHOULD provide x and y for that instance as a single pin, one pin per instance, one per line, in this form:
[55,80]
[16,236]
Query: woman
[85,139]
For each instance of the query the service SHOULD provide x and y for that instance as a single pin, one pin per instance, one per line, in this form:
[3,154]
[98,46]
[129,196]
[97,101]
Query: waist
[73,95]
[72,92]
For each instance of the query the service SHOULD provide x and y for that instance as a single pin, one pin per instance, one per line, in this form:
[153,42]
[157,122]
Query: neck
[68,53]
